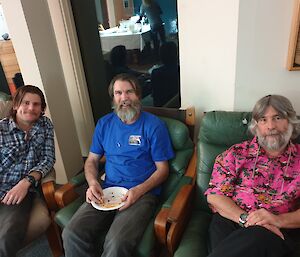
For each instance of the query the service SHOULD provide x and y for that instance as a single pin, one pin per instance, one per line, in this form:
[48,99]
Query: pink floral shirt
[271,183]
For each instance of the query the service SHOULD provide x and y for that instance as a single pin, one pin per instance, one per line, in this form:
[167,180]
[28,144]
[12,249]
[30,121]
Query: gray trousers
[125,229]
[13,225]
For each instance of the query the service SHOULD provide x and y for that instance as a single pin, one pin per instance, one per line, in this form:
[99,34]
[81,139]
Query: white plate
[112,199]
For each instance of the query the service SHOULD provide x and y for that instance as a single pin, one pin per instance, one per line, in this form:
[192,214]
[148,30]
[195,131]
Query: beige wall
[263,38]
[234,52]
[207,45]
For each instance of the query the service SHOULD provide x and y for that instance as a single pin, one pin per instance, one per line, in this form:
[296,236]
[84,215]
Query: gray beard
[128,114]
[279,140]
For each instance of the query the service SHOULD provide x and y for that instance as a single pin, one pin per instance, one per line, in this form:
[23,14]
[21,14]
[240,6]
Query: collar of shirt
[12,125]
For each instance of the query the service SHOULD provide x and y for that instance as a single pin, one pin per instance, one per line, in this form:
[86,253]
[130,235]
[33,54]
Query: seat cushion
[195,237]
[39,220]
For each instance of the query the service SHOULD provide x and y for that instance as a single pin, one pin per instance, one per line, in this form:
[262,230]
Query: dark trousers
[228,239]
[158,37]
[13,225]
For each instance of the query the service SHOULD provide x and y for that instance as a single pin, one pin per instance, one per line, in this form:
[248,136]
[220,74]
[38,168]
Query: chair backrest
[180,124]
[5,105]
[218,131]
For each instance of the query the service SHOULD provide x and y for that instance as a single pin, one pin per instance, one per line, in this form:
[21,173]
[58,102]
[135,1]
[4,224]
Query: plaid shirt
[21,154]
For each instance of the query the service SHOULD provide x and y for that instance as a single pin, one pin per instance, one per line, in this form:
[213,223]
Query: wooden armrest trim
[192,167]
[161,226]
[48,192]
[181,202]
[65,195]
[190,116]
[179,215]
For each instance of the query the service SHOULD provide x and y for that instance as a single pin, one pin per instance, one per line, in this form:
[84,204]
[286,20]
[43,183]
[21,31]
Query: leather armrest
[180,204]
[169,213]
[161,225]
[191,169]
[178,216]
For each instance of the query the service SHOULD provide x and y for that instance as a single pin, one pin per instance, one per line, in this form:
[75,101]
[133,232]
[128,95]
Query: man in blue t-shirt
[137,148]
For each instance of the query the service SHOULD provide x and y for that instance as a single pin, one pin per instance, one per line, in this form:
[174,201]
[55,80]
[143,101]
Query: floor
[38,248]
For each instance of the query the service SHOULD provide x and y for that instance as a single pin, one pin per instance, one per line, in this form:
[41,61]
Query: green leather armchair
[190,212]
[180,124]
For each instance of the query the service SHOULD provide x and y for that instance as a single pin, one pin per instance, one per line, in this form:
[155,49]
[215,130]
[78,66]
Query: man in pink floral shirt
[254,189]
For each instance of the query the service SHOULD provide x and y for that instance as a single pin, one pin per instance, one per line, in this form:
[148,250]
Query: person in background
[254,189]
[165,79]
[118,60]
[153,12]
[26,155]
[137,148]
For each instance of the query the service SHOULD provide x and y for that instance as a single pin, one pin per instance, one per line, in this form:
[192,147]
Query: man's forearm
[225,206]
[91,173]
[290,220]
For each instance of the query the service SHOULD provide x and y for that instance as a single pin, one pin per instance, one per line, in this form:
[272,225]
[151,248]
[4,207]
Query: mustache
[273,133]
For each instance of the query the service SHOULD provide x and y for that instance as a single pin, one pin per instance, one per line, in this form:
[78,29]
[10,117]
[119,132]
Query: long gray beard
[128,114]
[277,143]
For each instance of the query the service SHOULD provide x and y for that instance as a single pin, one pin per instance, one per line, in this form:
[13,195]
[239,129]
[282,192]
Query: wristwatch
[243,219]
[34,183]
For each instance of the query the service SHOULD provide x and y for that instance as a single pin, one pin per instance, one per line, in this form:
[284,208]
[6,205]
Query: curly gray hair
[280,104]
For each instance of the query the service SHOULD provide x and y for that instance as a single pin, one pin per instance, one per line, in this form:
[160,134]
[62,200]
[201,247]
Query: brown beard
[128,114]
[280,140]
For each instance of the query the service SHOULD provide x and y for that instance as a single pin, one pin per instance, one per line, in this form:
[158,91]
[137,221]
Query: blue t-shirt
[131,150]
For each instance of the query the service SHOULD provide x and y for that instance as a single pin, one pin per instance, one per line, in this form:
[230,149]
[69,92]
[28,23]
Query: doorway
[95,18]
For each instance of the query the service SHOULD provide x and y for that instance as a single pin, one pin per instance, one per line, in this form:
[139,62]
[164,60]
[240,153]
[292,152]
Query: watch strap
[32,180]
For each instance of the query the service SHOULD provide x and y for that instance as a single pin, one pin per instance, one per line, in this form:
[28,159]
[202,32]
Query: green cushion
[194,241]
[63,216]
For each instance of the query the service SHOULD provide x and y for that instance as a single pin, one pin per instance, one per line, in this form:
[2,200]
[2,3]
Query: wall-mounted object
[293,62]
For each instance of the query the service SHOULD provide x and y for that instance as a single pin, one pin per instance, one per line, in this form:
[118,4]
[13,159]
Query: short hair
[125,77]
[284,108]
[19,95]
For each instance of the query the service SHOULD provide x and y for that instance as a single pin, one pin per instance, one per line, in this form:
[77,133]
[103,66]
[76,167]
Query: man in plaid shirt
[26,155]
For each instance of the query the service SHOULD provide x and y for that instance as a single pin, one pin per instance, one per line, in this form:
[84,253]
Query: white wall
[234,52]
[263,38]
[207,49]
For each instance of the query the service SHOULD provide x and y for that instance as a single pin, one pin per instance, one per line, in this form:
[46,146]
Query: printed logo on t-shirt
[135,140]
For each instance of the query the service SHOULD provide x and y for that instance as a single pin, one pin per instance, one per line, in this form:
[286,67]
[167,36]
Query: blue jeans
[81,237]
[13,225]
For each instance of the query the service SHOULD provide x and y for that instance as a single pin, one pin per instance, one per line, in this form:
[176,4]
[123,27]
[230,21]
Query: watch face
[244,216]
[243,219]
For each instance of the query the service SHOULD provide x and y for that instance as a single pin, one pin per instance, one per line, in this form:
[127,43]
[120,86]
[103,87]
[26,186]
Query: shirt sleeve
[161,146]
[97,147]
[223,175]
[47,156]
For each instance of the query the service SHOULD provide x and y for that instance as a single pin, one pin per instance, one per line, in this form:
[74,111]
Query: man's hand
[17,193]
[275,230]
[131,197]
[94,193]
[263,217]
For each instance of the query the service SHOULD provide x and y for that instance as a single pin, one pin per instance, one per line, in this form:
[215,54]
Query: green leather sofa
[218,131]
[183,147]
